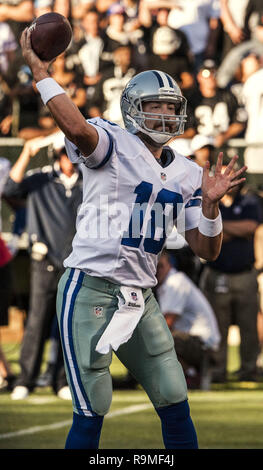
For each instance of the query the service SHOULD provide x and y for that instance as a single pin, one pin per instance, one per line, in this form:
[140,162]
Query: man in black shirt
[170,55]
[106,98]
[53,195]
[217,112]
[230,282]
[5,109]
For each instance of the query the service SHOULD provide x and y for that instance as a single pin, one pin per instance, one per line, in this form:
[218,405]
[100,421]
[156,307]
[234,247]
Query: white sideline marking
[62,424]
[41,400]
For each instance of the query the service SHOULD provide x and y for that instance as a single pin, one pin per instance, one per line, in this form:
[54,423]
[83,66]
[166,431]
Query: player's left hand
[215,186]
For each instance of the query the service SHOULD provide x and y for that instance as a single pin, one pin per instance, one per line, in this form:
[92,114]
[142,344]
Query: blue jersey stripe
[194,203]
[198,192]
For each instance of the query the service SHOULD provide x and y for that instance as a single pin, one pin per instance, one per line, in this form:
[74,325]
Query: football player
[132,184]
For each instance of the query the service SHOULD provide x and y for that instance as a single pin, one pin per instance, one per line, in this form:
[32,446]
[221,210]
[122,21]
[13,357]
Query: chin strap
[158,138]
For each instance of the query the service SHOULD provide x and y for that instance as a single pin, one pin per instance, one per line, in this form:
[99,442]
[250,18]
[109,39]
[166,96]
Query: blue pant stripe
[71,291]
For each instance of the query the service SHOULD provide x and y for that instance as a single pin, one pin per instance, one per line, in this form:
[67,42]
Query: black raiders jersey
[214,115]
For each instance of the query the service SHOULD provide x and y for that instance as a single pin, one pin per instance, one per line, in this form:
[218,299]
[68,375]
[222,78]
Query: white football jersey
[130,203]
[252,96]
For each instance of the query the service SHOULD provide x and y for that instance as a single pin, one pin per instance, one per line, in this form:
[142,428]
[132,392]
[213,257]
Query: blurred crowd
[214,50]
[210,47]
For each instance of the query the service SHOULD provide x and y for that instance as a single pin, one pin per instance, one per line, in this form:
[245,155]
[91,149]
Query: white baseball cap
[165,41]
[199,141]
[182,146]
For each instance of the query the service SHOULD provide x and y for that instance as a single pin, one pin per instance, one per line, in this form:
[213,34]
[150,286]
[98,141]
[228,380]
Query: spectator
[104,5]
[259,268]
[47,225]
[6,109]
[80,7]
[35,118]
[4,172]
[17,14]
[199,20]
[253,22]
[8,47]
[106,99]
[188,315]
[70,80]
[26,108]
[231,63]
[63,7]
[115,35]
[182,146]
[152,16]
[131,8]
[91,48]
[217,112]
[253,31]
[202,149]
[48,377]
[120,32]
[44,124]
[41,7]
[230,282]
[6,375]
[169,54]
[252,74]
[233,19]
[166,56]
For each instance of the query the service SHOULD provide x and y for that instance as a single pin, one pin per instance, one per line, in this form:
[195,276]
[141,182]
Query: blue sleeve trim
[194,203]
[198,192]
[198,199]
[108,155]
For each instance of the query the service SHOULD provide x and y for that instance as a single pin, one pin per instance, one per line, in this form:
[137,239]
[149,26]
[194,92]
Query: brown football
[50,35]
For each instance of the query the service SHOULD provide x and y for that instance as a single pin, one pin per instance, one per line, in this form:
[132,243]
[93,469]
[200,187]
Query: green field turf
[227,417]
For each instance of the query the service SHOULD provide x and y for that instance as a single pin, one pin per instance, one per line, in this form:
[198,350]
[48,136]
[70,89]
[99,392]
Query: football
[51,34]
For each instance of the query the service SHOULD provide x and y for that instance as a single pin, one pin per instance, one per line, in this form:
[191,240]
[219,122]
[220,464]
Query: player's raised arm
[206,240]
[66,114]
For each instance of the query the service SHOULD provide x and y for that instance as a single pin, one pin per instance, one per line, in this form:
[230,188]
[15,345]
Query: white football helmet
[153,85]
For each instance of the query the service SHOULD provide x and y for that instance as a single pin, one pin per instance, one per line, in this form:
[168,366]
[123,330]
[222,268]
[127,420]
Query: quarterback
[104,299]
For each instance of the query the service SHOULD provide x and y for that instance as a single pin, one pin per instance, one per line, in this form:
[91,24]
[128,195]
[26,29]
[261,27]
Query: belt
[100,283]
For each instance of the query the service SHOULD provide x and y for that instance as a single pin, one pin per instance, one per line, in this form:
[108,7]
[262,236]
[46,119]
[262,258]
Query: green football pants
[85,306]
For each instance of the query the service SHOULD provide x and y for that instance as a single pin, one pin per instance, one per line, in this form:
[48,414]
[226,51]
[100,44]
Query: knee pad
[166,384]
[100,391]
[172,384]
